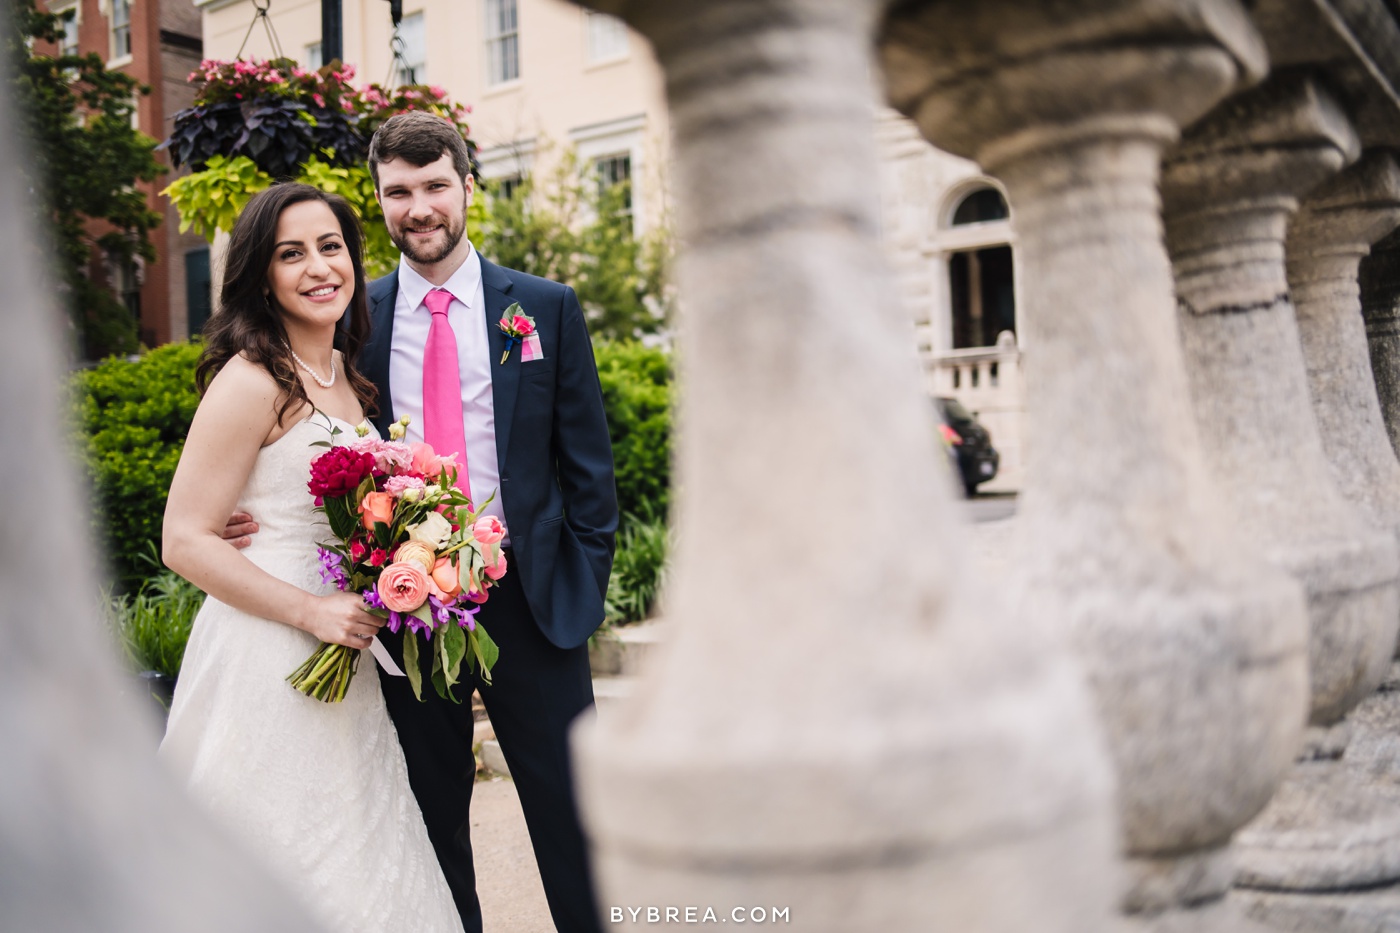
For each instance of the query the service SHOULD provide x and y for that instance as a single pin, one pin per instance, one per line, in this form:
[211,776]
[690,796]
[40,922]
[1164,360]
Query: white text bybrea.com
[700,915]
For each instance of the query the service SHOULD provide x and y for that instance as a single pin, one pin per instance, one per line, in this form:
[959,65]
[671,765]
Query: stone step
[607,691]
[625,650]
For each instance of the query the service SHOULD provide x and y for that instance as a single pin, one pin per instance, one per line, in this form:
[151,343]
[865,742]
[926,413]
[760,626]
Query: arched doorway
[981,280]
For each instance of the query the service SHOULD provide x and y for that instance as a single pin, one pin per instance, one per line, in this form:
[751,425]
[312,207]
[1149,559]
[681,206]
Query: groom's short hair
[418,138]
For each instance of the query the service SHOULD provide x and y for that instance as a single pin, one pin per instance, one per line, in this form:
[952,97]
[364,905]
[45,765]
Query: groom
[529,418]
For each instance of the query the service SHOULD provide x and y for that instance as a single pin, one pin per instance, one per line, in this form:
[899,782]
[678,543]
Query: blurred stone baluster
[1230,187]
[1196,649]
[94,834]
[843,725]
[1327,240]
[1380,305]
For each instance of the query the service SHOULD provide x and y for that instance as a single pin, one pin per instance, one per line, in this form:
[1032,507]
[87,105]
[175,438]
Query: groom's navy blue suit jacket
[552,441]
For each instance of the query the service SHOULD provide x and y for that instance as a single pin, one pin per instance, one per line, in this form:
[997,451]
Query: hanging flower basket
[256,122]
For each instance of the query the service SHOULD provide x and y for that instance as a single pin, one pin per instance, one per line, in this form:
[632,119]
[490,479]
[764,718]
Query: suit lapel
[505,377]
[374,358]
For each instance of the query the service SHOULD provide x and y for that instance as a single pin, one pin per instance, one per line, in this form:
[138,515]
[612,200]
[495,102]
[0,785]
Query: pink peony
[396,486]
[389,456]
[403,587]
[488,529]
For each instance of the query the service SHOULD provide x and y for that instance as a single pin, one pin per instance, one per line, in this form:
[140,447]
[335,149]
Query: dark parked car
[977,458]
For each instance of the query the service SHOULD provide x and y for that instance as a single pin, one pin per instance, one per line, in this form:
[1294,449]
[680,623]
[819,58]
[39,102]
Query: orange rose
[377,507]
[446,577]
[403,586]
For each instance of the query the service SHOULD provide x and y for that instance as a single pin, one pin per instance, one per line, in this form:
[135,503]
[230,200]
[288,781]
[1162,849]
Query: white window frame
[511,160]
[114,28]
[415,58]
[70,14]
[499,40]
[605,38]
[624,136]
[312,53]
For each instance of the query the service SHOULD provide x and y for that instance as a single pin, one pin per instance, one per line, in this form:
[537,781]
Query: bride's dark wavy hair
[250,322]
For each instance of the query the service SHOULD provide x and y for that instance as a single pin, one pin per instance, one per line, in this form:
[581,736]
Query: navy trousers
[537,690]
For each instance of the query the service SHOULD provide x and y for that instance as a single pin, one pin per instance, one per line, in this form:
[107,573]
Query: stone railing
[1165,716]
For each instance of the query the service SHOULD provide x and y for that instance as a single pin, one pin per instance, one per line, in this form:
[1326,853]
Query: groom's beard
[427,255]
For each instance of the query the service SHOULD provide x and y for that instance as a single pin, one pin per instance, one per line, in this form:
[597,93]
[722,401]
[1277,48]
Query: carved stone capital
[1231,183]
[973,73]
[1346,215]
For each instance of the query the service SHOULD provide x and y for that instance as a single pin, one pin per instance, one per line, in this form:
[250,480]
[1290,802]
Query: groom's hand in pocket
[240,530]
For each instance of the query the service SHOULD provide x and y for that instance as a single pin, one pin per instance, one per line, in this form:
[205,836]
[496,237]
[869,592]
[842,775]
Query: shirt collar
[463,283]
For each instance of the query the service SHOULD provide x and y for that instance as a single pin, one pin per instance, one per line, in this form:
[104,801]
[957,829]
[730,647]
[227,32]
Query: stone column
[1196,650]
[1327,240]
[1380,306]
[94,834]
[844,725]
[1230,187]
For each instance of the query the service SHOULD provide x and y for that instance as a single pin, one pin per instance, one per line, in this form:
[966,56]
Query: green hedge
[133,417]
[637,395]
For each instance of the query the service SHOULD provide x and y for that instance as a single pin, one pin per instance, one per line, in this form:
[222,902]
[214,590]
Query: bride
[319,791]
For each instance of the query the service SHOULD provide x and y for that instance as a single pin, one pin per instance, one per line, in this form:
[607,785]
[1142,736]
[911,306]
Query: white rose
[433,530]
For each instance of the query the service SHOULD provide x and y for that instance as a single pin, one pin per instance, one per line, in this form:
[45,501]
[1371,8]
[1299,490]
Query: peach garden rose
[403,586]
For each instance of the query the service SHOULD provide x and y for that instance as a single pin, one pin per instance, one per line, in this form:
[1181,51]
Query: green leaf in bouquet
[410,664]
[338,514]
[453,642]
[467,571]
[365,488]
[483,650]
[326,444]
[382,536]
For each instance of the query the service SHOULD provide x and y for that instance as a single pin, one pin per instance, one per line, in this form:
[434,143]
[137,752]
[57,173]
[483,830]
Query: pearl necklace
[323,383]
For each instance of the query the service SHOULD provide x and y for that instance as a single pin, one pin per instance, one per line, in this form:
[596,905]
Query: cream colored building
[539,75]
[951,237]
[542,75]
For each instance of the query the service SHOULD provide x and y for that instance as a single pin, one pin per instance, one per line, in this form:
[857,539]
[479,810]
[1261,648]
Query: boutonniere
[516,325]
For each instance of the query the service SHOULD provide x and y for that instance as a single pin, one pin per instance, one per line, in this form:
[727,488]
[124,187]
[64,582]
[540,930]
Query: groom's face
[425,207]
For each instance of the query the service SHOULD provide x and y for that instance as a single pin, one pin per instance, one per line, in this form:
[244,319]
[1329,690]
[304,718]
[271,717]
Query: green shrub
[638,569]
[636,384]
[153,624]
[132,419]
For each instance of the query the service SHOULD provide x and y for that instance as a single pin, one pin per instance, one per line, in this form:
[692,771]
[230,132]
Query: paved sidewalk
[507,881]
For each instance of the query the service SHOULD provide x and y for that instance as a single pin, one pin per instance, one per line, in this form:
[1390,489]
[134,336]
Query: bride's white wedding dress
[318,791]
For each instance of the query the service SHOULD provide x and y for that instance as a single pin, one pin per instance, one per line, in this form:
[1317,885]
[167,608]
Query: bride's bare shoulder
[244,393]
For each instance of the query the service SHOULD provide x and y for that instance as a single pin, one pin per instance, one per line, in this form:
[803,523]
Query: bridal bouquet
[411,544]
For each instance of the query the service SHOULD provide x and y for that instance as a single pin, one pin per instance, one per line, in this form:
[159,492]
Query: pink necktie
[443,422]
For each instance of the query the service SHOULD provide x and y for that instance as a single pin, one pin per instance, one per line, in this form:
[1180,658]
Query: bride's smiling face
[312,277]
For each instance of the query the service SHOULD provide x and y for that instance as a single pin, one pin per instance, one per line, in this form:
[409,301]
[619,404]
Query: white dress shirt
[467,315]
